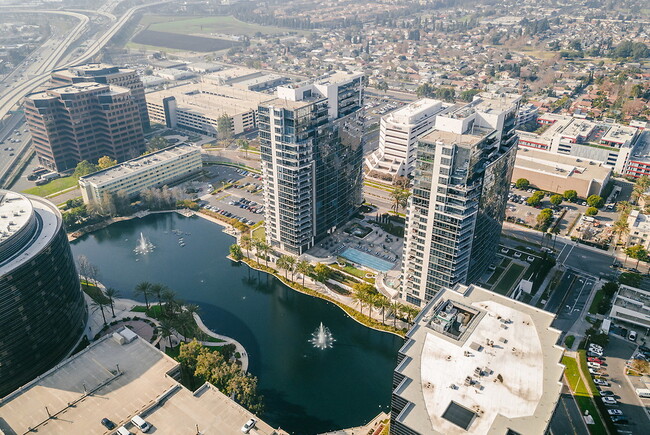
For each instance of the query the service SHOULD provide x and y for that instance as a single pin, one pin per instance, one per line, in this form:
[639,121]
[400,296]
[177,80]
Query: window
[459,415]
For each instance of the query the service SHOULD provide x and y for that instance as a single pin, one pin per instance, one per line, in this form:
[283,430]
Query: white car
[250,424]
[609,401]
[614,412]
[601,382]
[593,371]
[593,365]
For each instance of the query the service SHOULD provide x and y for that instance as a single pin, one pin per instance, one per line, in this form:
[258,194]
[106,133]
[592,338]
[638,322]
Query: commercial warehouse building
[42,309]
[558,173]
[198,107]
[157,169]
[118,377]
[477,362]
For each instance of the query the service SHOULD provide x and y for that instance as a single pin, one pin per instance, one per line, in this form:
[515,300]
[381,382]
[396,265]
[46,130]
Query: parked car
[596,360]
[631,336]
[593,371]
[107,423]
[601,382]
[619,419]
[609,401]
[593,365]
[607,393]
[250,424]
[614,412]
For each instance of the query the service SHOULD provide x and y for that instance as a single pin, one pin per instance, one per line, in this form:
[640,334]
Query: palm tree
[157,290]
[112,293]
[304,268]
[410,312]
[396,308]
[282,263]
[361,297]
[383,303]
[246,243]
[619,229]
[166,330]
[169,297]
[291,265]
[258,245]
[624,207]
[264,248]
[144,289]
[99,305]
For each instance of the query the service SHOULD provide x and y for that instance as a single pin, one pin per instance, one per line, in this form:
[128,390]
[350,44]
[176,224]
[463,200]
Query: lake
[306,390]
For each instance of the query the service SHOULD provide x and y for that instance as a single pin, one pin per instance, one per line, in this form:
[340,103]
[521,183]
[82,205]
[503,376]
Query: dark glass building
[312,153]
[42,309]
[460,190]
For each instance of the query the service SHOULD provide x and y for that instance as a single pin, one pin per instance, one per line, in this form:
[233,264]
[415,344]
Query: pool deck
[374,244]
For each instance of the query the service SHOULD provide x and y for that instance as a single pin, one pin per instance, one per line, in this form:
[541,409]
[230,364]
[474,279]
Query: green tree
[243,145]
[382,86]
[322,272]
[235,252]
[144,289]
[570,195]
[591,211]
[224,126]
[595,201]
[544,218]
[535,199]
[246,242]
[166,330]
[619,229]
[400,197]
[425,90]
[556,199]
[158,289]
[157,143]
[637,252]
[84,168]
[106,162]
[522,183]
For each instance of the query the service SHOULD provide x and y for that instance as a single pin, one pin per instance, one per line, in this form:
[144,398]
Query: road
[53,50]
[569,300]
[567,415]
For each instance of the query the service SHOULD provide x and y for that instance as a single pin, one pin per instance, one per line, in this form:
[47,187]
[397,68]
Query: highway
[53,50]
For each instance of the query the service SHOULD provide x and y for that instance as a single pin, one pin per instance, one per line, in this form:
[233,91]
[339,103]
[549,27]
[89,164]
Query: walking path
[123,309]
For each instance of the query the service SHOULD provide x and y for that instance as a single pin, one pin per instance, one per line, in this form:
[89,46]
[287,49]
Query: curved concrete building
[42,309]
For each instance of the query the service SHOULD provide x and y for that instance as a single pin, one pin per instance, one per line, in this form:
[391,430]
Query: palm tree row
[366,295]
[172,313]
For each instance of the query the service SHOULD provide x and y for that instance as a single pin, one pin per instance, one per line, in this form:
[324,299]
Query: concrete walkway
[123,309]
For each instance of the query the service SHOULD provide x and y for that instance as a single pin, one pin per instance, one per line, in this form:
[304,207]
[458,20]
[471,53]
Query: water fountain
[144,246]
[322,337]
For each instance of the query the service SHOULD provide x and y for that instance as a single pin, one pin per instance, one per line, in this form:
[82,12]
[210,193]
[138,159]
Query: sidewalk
[123,309]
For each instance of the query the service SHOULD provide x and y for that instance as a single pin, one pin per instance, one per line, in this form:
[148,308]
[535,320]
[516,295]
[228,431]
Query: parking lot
[243,200]
[518,211]
[617,353]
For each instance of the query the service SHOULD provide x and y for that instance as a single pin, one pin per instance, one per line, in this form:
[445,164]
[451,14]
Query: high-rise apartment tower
[460,188]
[312,152]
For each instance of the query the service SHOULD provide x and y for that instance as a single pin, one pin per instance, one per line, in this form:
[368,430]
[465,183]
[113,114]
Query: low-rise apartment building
[152,170]
[631,305]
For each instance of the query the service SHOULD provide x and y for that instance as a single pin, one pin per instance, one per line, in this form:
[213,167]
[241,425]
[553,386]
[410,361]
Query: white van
[643,392]
[140,423]
[123,431]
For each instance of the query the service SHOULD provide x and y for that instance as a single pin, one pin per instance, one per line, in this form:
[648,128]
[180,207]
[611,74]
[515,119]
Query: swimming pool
[367,260]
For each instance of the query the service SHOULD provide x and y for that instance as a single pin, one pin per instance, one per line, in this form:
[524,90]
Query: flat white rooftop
[479,362]
[211,100]
[416,111]
[142,385]
[139,164]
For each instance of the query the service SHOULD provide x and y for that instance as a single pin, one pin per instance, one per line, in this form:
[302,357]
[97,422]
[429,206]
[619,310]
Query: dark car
[108,424]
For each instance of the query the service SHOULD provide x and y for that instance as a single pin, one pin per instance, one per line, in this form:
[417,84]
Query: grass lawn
[136,46]
[593,309]
[259,233]
[226,25]
[94,292]
[582,393]
[509,278]
[53,186]
[572,374]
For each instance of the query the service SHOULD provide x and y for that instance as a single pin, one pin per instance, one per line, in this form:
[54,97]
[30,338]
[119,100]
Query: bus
[643,392]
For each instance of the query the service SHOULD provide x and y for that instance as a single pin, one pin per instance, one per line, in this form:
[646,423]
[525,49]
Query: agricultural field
[177,41]
[225,25]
